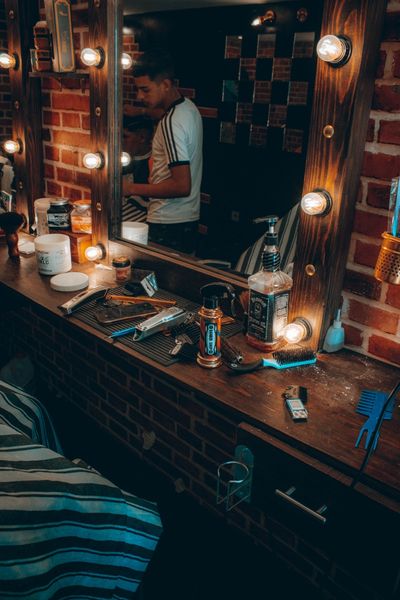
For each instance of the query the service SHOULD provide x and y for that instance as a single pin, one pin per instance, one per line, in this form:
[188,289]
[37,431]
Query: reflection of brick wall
[5,100]
[372,308]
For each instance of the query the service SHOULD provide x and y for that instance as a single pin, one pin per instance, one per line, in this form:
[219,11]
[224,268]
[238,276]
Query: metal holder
[388,264]
[234,479]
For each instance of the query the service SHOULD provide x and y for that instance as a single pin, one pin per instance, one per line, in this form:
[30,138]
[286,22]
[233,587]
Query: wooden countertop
[334,385]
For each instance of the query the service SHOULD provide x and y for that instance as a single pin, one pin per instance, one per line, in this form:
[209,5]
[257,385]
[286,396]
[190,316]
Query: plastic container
[81,217]
[334,339]
[59,214]
[53,254]
[122,268]
[41,205]
[135,231]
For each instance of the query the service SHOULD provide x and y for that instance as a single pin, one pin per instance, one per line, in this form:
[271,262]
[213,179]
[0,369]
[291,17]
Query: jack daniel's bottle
[269,296]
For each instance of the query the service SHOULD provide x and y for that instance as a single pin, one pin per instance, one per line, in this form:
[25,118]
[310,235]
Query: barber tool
[124,312]
[121,332]
[137,299]
[142,281]
[296,408]
[164,320]
[209,355]
[370,404]
[77,301]
[229,352]
[296,392]
[281,359]
[395,204]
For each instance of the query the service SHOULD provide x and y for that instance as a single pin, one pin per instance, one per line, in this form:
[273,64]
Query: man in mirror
[137,139]
[177,161]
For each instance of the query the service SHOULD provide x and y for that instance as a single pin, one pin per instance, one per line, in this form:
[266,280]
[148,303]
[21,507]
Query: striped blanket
[66,532]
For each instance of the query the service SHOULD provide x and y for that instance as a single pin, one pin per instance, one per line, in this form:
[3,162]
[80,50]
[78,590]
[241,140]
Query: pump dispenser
[209,355]
[269,296]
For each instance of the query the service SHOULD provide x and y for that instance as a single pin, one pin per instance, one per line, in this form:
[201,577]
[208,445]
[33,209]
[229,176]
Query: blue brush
[282,359]
[370,404]
[395,202]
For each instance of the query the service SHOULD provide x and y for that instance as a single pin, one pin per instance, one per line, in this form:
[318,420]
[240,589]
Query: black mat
[156,347]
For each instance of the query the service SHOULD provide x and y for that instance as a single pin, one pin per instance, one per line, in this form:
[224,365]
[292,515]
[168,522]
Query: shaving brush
[10,223]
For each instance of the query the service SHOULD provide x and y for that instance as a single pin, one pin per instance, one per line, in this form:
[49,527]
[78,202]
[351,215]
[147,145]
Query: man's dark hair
[156,63]
[138,123]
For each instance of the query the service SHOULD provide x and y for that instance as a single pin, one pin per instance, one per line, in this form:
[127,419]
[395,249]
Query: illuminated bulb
[12,146]
[257,21]
[8,61]
[334,49]
[92,57]
[93,160]
[318,202]
[95,252]
[297,331]
[126,61]
[125,159]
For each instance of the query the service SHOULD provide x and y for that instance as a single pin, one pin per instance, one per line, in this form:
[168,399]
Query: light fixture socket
[125,159]
[9,61]
[12,146]
[318,202]
[93,160]
[334,49]
[299,330]
[93,57]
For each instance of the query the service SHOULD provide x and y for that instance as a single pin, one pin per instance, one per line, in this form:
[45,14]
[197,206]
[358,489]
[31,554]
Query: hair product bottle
[269,296]
[210,314]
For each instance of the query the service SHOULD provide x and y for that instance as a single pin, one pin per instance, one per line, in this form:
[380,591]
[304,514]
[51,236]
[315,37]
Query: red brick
[71,102]
[48,171]
[85,122]
[369,224]
[46,100]
[396,63]
[65,175]
[353,336]
[371,316]
[71,120]
[386,97]
[51,118]
[208,112]
[393,296]
[362,284]
[392,26]
[72,138]
[46,134]
[381,65]
[50,83]
[53,188]
[84,179]
[389,132]
[366,254]
[384,348]
[51,153]
[381,166]
[371,130]
[72,193]
[378,195]
[70,157]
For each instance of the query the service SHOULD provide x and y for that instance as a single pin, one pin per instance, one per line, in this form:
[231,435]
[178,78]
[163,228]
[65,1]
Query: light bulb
[95,252]
[126,60]
[92,57]
[297,331]
[12,146]
[318,202]
[125,159]
[334,49]
[8,61]
[256,22]
[93,160]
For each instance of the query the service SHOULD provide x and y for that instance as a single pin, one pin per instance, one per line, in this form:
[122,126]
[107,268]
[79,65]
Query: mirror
[253,87]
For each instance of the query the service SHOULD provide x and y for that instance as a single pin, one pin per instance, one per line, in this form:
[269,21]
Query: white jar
[53,254]
[41,207]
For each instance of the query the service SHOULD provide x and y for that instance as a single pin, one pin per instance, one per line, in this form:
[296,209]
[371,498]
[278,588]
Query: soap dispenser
[334,339]
[209,355]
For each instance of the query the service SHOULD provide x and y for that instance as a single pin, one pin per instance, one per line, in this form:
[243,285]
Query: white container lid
[69,282]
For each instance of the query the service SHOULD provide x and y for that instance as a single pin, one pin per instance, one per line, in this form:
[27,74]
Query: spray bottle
[209,355]
[334,339]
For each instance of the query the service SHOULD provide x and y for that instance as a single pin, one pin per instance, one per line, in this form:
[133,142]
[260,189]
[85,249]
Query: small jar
[81,217]
[122,267]
[59,214]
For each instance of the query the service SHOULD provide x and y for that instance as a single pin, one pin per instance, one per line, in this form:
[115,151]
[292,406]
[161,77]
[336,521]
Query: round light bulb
[125,159]
[332,49]
[126,60]
[12,146]
[295,332]
[256,22]
[316,203]
[91,57]
[7,61]
[93,160]
[93,253]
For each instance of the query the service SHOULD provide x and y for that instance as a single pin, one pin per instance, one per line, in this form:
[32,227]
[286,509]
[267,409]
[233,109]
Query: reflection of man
[137,136]
[174,188]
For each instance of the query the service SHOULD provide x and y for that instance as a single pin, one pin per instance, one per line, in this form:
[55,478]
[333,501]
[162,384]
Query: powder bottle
[122,268]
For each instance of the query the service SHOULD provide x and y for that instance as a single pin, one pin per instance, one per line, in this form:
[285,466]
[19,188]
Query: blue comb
[370,404]
[282,359]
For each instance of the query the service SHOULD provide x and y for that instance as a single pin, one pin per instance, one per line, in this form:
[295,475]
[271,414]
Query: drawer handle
[316,514]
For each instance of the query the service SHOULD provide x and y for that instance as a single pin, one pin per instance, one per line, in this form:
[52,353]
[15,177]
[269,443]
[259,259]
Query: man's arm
[176,186]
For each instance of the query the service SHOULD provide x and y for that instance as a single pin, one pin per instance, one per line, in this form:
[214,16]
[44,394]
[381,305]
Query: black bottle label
[267,315]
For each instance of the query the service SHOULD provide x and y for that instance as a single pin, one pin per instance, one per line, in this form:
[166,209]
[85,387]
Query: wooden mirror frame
[342,99]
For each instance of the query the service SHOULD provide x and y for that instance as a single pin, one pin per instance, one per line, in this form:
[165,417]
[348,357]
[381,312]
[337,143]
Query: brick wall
[372,308]
[193,435]
[5,98]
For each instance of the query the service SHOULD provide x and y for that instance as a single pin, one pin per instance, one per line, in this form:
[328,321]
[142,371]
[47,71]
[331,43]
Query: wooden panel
[342,99]
[26,102]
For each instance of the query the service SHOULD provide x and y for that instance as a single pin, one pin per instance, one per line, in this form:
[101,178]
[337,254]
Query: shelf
[71,75]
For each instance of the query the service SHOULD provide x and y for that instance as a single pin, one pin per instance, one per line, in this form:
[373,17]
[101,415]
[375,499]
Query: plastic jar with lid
[122,268]
[81,217]
[59,214]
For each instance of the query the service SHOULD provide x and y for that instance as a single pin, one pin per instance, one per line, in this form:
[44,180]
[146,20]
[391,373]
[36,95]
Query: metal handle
[316,514]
